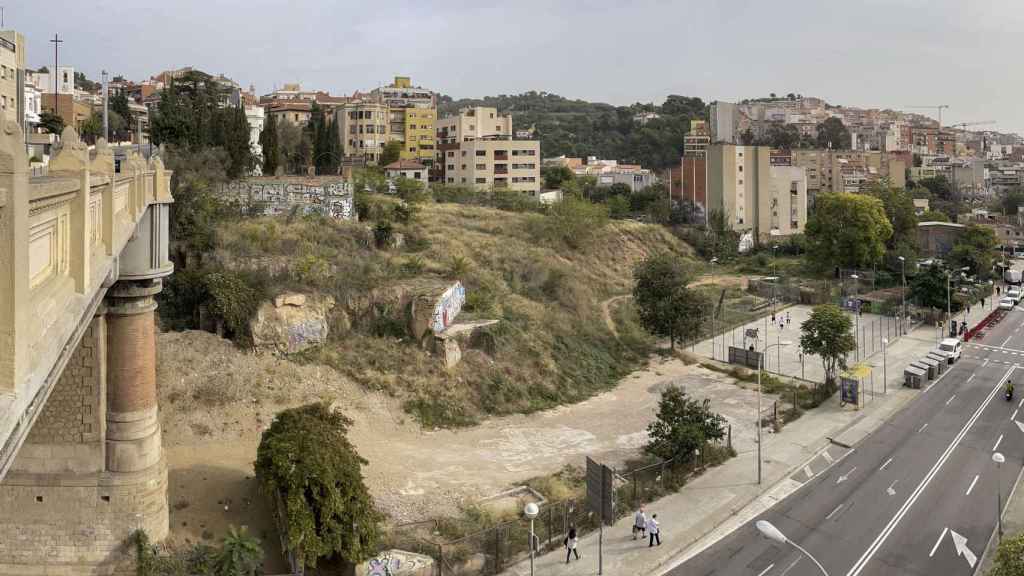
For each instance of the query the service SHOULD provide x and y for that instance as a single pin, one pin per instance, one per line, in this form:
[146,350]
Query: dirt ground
[215,400]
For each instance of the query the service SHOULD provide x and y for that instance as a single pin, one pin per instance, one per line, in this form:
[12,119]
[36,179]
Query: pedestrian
[570,543]
[653,530]
[773,317]
[640,523]
[787,318]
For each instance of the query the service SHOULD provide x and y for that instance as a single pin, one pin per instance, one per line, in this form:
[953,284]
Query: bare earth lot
[216,400]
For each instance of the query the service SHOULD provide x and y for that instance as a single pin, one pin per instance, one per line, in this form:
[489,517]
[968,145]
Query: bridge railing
[60,240]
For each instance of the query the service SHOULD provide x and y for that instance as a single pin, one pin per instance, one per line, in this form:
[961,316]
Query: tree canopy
[832,133]
[848,230]
[828,333]
[391,153]
[682,426]
[929,289]
[306,458]
[899,209]
[667,307]
[975,250]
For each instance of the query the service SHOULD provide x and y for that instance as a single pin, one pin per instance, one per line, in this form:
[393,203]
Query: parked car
[1015,293]
[950,348]
[1006,303]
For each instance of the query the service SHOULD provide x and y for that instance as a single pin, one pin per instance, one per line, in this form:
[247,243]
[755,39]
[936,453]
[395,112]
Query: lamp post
[998,458]
[769,531]
[885,345]
[713,331]
[760,368]
[530,511]
[856,315]
[903,295]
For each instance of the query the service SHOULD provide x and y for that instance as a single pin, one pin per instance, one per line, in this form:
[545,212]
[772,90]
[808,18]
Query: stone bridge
[82,254]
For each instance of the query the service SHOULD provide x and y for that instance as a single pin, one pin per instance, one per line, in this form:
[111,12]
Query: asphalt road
[917,496]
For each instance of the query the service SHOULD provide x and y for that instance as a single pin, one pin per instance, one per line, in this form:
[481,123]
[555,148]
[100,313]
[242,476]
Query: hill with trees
[581,128]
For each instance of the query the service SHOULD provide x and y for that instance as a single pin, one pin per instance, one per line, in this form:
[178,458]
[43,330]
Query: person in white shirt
[639,523]
[653,530]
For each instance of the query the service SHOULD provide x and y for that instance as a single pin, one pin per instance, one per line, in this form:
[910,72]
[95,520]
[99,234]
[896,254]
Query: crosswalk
[1012,354]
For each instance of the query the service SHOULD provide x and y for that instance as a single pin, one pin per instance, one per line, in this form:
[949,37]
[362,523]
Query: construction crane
[964,125]
[937,108]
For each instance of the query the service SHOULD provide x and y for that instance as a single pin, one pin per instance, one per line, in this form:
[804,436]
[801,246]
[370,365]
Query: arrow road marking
[939,541]
[889,490]
[1020,425]
[846,476]
[996,447]
[971,487]
[961,548]
[887,462]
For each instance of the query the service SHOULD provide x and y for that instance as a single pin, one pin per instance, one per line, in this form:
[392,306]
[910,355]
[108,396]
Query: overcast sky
[868,53]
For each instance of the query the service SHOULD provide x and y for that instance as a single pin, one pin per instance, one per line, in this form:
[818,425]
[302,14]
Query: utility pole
[56,46]
[106,98]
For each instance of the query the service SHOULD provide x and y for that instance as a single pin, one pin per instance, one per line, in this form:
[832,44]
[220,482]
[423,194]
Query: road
[918,496]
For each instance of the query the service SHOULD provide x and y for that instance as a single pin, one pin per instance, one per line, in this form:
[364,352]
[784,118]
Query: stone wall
[328,195]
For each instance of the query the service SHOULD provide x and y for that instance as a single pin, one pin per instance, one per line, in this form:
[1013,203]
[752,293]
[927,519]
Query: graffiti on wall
[397,562]
[331,196]
[448,307]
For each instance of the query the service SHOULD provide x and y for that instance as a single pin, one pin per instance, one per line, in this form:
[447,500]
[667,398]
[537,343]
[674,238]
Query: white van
[950,348]
[1014,293]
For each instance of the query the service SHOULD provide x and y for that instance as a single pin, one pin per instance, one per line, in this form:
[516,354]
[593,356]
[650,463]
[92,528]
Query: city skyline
[919,53]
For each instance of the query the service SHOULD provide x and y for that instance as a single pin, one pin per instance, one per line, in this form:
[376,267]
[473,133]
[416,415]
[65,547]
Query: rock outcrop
[291,323]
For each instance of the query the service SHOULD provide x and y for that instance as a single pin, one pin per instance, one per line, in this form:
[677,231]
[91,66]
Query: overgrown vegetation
[683,426]
[306,460]
[239,554]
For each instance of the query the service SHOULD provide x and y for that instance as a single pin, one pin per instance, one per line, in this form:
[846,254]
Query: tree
[833,134]
[974,249]
[848,230]
[682,426]
[52,123]
[665,305]
[240,554]
[305,457]
[554,176]
[392,151]
[119,107]
[92,128]
[828,333]
[938,186]
[573,221]
[934,216]
[269,146]
[1009,560]
[1012,201]
[929,289]
[899,209]
[784,136]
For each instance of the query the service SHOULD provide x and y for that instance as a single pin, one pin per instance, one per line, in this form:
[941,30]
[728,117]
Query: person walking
[570,543]
[787,318]
[653,530]
[640,523]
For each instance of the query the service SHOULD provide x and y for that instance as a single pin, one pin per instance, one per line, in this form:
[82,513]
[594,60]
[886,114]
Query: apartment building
[12,75]
[606,172]
[848,170]
[412,111]
[295,112]
[755,196]
[363,128]
[468,124]
[493,162]
[693,171]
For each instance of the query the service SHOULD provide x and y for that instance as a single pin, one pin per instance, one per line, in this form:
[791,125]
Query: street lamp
[885,345]
[903,294]
[769,531]
[856,314]
[760,368]
[713,331]
[530,511]
[998,458]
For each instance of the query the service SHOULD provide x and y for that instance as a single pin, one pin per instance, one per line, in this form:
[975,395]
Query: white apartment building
[363,128]
[498,163]
[12,74]
[255,116]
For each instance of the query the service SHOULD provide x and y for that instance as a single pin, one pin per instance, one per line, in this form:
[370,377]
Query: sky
[866,53]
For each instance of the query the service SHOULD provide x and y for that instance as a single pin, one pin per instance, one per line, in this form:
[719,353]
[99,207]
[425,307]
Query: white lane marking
[1014,417]
[886,464]
[1019,425]
[971,487]
[884,534]
[827,456]
[996,447]
[1021,403]
[765,571]
[971,378]
[986,362]
[1005,341]
[921,429]
[846,476]
[950,399]
[890,490]
[939,541]
[808,472]
[786,571]
[833,513]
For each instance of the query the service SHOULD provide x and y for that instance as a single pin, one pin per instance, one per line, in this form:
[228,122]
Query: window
[497,128]
[739,168]
[481,166]
[451,180]
[412,149]
[416,175]
[481,152]
[463,166]
[481,180]
[451,166]
[451,153]
[352,129]
[361,128]
[463,153]
[463,180]
[472,127]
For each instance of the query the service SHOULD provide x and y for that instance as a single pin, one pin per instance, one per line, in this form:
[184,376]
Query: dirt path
[606,312]
[216,400]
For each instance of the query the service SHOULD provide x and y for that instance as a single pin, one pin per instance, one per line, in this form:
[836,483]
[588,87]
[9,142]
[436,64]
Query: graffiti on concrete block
[397,563]
[448,307]
[327,195]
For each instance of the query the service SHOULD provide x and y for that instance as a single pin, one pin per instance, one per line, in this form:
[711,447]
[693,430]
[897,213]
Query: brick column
[133,431]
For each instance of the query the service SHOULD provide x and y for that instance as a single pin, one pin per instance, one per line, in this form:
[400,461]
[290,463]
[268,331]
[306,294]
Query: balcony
[501,155]
[501,168]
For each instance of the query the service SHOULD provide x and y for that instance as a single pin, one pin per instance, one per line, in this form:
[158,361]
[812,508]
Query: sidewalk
[724,498]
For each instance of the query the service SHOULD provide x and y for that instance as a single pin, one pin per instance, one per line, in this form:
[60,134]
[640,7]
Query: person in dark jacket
[571,541]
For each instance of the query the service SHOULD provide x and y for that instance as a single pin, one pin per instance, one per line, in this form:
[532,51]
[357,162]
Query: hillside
[581,128]
[551,346]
